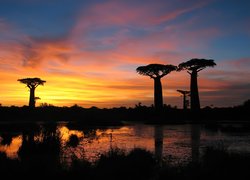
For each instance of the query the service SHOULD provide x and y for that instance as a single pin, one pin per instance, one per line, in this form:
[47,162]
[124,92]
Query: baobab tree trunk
[158,94]
[32,98]
[195,101]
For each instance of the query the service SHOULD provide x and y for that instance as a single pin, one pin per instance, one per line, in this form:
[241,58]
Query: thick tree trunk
[32,98]
[195,101]
[158,94]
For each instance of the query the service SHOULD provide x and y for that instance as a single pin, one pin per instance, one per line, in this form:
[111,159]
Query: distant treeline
[113,116]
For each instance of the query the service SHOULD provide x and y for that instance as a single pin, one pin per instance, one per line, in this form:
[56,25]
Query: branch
[150,76]
[162,75]
[189,72]
[198,70]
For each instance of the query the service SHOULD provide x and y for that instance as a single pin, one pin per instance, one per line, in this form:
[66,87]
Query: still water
[180,143]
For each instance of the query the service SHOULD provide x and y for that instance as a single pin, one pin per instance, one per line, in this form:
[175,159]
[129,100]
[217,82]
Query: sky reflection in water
[180,142]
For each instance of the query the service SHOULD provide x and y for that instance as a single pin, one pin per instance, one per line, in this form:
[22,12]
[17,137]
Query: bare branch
[198,70]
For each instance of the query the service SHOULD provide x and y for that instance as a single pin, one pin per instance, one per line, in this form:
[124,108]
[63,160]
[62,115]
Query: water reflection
[195,141]
[11,148]
[41,144]
[158,134]
[57,142]
[65,133]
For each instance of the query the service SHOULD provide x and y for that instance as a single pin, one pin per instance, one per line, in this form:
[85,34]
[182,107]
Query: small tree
[156,72]
[185,101]
[32,84]
[194,66]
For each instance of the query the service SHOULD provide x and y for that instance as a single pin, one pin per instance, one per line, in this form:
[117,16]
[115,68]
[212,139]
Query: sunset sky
[88,50]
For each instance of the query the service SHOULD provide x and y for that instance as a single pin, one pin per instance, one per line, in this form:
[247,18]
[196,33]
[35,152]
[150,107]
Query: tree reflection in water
[195,142]
[40,148]
[158,138]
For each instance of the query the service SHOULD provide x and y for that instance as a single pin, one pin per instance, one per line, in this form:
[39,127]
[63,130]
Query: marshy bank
[136,164]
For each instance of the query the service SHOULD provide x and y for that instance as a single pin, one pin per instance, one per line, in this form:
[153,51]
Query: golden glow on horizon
[67,90]
[73,90]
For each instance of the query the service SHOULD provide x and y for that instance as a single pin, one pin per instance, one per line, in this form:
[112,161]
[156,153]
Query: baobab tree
[156,72]
[185,101]
[32,84]
[194,66]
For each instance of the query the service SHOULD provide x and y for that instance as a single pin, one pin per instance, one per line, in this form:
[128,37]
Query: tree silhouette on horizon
[156,72]
[32,84]
[194,66]
[185,101]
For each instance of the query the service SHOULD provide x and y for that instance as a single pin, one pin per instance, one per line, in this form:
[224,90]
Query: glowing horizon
[88,51]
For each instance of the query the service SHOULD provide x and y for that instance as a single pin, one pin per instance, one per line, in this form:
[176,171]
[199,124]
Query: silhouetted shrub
[138,164]
[73,140]
[219,163]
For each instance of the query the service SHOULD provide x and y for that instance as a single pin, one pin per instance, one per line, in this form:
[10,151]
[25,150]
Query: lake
[178,143]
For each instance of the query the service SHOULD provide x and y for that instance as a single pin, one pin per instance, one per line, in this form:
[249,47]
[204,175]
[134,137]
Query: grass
[137,164]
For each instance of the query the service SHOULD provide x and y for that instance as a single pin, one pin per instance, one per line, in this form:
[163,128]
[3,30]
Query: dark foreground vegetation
[113,116]
[137,164]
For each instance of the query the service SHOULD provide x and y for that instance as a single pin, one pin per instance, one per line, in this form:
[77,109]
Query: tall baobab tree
[156,72]
[185,101]
[194,66]
[32,84]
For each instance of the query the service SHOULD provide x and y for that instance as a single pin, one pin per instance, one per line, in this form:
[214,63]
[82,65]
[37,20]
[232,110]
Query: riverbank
[137,164]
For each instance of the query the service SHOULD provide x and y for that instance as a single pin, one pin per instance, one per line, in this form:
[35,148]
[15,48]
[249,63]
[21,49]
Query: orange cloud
[100,71]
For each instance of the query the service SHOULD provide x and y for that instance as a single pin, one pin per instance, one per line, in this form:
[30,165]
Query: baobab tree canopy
[156,70]
[32,82]
[183,92]
[196,64]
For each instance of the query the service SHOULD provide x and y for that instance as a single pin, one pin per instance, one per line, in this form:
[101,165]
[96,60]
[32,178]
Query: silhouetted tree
[246,103]
[185,101]
[194,66]
[32,84]
[156,72]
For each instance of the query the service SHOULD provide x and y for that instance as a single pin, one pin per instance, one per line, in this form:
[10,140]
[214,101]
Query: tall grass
[215,163]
